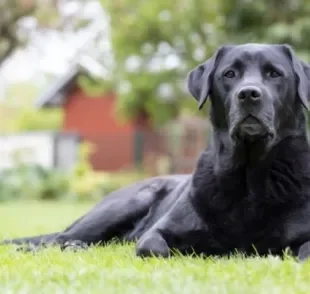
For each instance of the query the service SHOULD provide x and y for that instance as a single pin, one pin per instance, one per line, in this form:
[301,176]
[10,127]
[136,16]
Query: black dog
[250,191]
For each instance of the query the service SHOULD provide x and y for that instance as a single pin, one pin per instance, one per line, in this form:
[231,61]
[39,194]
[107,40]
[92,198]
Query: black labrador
[250,191]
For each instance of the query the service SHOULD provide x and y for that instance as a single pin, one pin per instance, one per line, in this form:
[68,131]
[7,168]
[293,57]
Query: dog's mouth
[251,129]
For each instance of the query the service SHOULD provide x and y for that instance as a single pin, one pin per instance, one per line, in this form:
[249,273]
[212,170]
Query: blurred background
[93,93]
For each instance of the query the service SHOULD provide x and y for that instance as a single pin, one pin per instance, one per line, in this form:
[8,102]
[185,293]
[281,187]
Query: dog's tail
[35,240]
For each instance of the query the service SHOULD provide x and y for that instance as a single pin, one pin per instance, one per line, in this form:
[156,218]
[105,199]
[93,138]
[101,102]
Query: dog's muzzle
[251,129]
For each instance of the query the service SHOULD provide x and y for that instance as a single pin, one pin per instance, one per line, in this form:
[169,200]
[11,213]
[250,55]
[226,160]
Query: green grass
[115,269]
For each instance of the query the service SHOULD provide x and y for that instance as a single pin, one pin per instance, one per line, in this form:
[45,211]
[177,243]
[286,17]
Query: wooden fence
[173,149]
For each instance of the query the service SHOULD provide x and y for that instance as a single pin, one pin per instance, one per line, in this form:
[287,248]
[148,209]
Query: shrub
[32,182]
[80,184]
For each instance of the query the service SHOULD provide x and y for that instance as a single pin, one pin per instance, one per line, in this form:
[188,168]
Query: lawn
[115,269]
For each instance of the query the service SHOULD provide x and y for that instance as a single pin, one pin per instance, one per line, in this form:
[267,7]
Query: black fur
[250,190]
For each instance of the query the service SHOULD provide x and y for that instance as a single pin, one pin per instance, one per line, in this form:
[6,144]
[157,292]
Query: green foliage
[46,14]
[184,34]
[86,184]
[32,182]
[161,40]
[18,113]
[94,87]
[80,184]
[34,120]
[275,21]
[19,119]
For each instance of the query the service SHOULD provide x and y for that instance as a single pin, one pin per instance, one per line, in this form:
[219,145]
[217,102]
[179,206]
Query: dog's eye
[273,74]
[229,74]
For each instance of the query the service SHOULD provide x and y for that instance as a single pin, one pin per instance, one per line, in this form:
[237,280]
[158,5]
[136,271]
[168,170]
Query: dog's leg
[117,217]
[175,230]
[153,244]
[113,219]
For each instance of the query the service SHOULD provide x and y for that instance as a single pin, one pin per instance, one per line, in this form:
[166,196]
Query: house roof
[55,95]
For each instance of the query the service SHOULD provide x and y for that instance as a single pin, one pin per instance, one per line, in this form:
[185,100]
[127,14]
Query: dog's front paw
[152,245]
[304,252]
[74,245]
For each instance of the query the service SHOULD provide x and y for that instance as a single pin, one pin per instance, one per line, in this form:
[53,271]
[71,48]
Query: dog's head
[257,92]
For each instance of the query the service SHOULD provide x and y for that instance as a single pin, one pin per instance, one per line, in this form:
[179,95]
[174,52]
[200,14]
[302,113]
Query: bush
[80,184]
[33,182]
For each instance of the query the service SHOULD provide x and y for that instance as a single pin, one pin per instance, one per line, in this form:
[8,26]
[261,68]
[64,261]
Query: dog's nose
[249,93]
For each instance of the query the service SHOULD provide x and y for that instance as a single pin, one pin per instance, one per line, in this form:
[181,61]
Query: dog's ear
[302,71]
[199,79]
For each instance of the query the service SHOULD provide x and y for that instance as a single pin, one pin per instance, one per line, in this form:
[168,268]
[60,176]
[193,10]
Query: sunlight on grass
[115,269]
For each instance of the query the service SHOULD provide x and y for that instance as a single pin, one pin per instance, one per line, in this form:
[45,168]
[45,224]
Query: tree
[44,14]
[20,21]
[11,12]
[155,44]
[274,21]
[13,32]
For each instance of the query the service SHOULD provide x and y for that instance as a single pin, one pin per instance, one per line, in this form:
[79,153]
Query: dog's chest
[245,207]
[247,228]
[243,218]
[245,223]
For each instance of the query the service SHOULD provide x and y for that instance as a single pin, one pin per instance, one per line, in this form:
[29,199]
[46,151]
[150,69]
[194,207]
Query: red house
[117,145]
